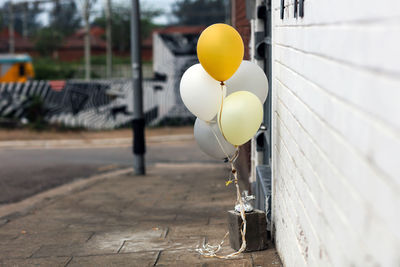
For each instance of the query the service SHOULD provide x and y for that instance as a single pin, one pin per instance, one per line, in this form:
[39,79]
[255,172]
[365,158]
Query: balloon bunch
[224,91]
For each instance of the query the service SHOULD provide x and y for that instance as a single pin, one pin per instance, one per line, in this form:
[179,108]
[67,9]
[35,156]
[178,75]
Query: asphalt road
[25,172]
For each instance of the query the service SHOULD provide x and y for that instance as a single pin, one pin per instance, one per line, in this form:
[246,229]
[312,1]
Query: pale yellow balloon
[240,117]
[220,51]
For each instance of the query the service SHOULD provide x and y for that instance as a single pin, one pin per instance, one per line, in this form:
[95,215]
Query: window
[22,71]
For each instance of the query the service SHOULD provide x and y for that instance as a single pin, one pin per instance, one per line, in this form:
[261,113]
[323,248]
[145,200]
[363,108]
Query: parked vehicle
[16,68]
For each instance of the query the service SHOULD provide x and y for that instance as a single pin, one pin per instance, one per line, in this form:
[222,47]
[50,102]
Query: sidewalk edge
[98,142]
[14,210]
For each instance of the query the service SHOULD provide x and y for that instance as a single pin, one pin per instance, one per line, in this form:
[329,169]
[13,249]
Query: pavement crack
[123,243]
[34,252]
[166,232]
[68,262]
[157,258]
[252,260]
[90,236]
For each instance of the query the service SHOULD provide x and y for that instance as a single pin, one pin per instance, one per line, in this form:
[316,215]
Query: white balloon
[206,135]
[200,93]
[249,77]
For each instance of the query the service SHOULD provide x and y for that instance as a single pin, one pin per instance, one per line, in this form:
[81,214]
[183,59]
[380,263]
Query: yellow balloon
[220,51]
[240,117]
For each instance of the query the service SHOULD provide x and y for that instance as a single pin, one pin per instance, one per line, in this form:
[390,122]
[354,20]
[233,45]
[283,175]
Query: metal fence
[100,104]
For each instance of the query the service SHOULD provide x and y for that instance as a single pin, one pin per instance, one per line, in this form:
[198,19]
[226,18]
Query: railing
[99,104]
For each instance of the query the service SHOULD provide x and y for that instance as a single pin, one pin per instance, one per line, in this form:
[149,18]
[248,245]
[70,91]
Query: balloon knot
[222,83]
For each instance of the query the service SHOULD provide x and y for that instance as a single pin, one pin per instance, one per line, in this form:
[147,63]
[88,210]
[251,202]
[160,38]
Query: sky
[162,4]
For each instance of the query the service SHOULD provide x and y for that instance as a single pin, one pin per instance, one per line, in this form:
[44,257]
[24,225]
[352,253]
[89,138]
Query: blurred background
[56,45]
[65,73]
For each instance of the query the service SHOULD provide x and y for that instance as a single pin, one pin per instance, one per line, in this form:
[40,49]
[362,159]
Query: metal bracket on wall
[298,6]
[262,42]
[262,190]
[262,12]
[301,8]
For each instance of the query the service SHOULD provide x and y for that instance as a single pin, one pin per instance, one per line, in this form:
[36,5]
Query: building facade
[329,170]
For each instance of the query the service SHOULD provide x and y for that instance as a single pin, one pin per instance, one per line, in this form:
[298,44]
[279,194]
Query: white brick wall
[336,133]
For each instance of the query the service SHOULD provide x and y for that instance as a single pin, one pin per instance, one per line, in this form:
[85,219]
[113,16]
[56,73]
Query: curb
[84,143]
[14,210]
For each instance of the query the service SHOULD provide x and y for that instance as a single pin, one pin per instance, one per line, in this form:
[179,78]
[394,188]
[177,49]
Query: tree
[121,16]
[2,25]
[47,41]
[28,12]
[65,17]
[147,15]
[200,12]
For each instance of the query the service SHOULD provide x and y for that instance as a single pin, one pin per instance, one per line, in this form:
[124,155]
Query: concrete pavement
[153,220]
[89,143]
[28,171]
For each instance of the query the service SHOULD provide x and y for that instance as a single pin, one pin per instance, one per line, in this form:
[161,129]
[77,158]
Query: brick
[17,250]
[186,244]
[336,134]
[169,258]
[50,261]
[134,233]
[359,83]
[354,170]
[129,259]
[266,258]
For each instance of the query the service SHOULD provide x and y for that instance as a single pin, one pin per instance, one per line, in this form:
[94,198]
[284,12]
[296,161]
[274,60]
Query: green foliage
[35,113]
[120,24]
[48,69]
[65,18]
[101,60]
[30,14]
[47,41]
[2,18]
[200,12]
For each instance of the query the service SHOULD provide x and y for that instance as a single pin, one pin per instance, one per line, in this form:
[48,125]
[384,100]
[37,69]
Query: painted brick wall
[336,133]
[241,23]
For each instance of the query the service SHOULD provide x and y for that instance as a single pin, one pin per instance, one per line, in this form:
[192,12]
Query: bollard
[256,230]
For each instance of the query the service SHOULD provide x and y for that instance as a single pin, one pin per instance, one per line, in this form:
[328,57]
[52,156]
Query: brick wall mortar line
[373,71]
[337,132]
[342,139]
[379,120]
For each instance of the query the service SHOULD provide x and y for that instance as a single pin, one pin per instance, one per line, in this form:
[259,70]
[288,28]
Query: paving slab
[130,259]
[154,220]
[50,261]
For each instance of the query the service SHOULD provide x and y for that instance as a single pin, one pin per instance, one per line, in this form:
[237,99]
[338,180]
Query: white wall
[164,63]
[336,138]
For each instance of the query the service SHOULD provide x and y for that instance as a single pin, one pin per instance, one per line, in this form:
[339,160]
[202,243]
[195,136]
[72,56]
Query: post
[87,39]
[11,40]
[108,38]
[25,20]
[138,121]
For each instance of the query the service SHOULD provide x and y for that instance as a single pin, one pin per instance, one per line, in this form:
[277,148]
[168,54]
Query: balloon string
[220,110]
[210,251]
[219,143]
